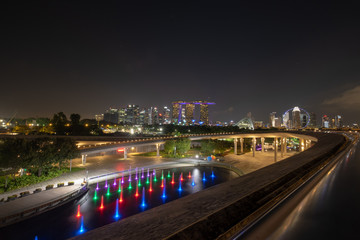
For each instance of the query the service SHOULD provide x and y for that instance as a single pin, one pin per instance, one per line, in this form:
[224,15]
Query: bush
[71,183]
[12,197]
[23,194]
[37,190]
[51,186]
[60,184]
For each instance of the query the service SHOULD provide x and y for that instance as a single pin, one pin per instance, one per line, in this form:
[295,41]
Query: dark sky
[87,57]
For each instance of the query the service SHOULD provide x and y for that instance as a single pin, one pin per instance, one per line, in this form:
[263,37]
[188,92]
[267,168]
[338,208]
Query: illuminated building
[111,115]
[338,121]
[296,118]
[272,119]
[166,115]
[325,121]
[183,112]
[189,113]
[313,120]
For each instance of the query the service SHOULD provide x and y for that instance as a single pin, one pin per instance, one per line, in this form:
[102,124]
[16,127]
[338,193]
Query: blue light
[204,179]
[212,174]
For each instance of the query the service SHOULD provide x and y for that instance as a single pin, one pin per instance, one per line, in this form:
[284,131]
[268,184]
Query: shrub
[12,197]
[60,184]
[37,190]
[71,183]
[51,186]
[23,194]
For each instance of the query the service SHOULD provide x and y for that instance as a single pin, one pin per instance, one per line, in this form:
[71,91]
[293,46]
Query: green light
[162,175]
[155,178]
[119,190]
[130,185]
[108,191]
[139,184]
[168,174]
[95,195]
[147,180]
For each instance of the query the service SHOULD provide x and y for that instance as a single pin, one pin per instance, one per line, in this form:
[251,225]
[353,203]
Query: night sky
[87,57]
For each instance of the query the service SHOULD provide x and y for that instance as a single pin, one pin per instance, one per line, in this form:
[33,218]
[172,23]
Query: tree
[75,119]
[59,121]
[169,146]
[183,145]
[207,147]
[65,149]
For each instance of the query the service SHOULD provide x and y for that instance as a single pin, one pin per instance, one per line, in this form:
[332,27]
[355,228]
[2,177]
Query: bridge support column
[285,145]
[302,144]
[125,153]
[262,144]
[241,145]
[157,150]
[83,159]
[275,149]
[235,146]
[282,146]
[254,146]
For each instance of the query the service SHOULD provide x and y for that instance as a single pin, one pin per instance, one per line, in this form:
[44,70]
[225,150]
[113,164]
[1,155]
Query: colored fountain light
[181,177]
[136,173]
[121,196]
[36,238]
[172,180]
[164,189]
[78,212]
[102,202]
[119,189]
[114,182]
[162,183]
[117,209]
[137,191]
[150,188]
[122,178]
[82,229]
[130,174]
[143,198]
[97,186]
[154,172]
[212,174]
[142,172]
[162,174]
[147,180]
[193,182]
[204,179]
[189,175]
[180,188]
[139,181]
[95,195]
[169,176]
[108,192]
[155,180]
[148,173]
[106,184]
[129,186]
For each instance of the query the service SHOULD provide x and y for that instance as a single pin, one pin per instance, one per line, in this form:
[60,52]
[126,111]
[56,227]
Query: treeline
[37,155]
[209,147]
[171,129]
[177,147]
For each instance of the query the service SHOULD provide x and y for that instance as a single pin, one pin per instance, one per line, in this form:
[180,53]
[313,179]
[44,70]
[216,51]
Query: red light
[120,150]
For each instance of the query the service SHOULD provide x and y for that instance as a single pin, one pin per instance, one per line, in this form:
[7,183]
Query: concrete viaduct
[91,147]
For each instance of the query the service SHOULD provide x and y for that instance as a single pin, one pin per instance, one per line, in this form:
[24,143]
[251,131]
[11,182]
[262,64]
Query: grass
[27,180]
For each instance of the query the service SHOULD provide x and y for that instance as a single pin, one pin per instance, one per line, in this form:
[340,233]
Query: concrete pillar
[125,153]
[302,145]
[262,144]
[275,149]
[157,150]
[254,146]
[83,159]
[235,146]
[282,146]
[241,145]
[285,145]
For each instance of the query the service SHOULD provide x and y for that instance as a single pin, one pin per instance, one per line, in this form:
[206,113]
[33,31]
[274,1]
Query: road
[327,207]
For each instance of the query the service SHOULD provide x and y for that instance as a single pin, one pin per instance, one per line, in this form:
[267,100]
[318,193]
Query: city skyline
[97,56]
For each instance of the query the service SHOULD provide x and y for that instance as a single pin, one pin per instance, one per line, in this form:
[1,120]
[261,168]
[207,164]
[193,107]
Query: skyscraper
[272,119]
[325,121]
[189,113]
[296,118]
[338,121]
[313,120]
